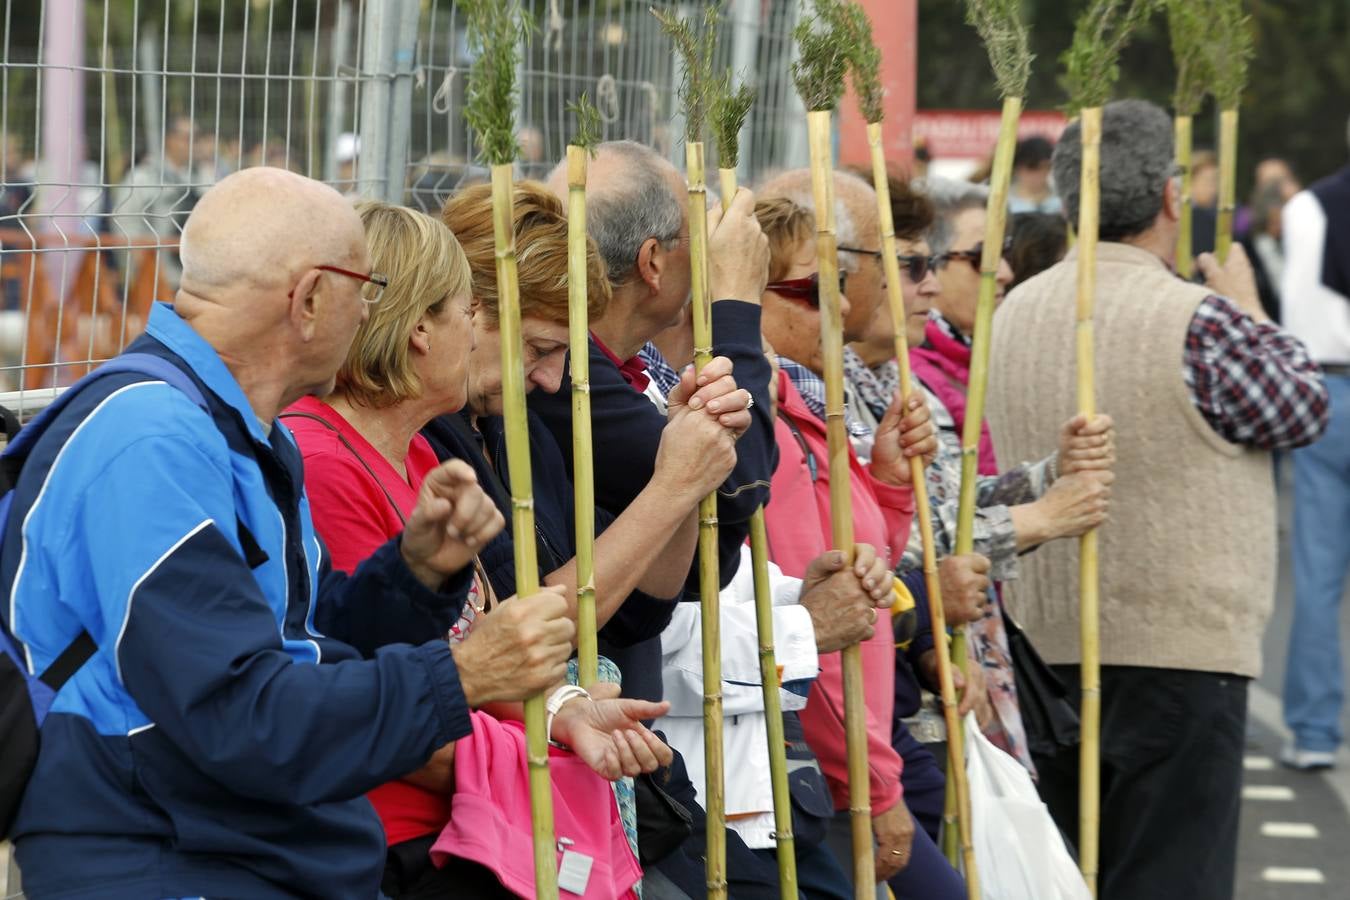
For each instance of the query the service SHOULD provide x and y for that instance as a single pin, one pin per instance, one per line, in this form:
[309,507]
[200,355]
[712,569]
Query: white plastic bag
[1018,850]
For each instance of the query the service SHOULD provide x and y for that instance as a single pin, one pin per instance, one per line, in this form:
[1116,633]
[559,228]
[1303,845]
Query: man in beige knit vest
[1201,386]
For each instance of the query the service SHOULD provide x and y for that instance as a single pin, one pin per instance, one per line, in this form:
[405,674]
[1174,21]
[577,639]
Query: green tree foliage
[1295,104]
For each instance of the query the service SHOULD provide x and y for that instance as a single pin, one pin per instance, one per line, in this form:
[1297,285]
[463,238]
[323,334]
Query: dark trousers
[928,876]
[819,876]
[1171,781]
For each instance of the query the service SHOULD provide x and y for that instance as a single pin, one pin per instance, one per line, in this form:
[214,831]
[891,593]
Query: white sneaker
[1307,760]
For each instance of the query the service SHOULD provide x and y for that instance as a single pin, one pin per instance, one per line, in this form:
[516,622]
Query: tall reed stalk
[696,45]
[1187,26]
[1231,49]
[823,40]
[578,334]
[495,29]
[1091,70]
[729,109]
[866,76]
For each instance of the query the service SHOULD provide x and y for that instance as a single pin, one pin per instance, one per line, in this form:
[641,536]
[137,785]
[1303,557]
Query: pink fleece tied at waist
[490,814]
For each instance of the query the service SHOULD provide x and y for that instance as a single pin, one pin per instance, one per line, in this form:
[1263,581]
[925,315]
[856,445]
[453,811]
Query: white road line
[1267,792]
[1293,876]
[1289,830]
[1258,763]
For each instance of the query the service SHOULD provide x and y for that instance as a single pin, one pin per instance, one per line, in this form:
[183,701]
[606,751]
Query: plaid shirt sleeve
[1252,381]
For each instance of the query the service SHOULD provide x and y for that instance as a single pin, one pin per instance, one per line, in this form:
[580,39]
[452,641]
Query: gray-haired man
[1200,387]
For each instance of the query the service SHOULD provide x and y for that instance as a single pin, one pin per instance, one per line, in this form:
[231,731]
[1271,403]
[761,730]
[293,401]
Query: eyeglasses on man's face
[806,289]
[371,291]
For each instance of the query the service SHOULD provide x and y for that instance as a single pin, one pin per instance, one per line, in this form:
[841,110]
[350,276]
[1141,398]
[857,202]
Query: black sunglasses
[916,267]
[975,254]
[805,289]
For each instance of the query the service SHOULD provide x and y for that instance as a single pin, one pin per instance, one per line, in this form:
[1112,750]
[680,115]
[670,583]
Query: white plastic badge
[574,872]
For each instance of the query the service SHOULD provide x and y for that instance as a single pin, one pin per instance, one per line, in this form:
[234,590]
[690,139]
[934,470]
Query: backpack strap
[69,662]
[156,367]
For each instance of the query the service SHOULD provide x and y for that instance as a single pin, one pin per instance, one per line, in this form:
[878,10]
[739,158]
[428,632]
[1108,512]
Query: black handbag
[1050,719]
[663,822]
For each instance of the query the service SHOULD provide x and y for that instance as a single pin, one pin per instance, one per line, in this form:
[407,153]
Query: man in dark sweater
[637,213]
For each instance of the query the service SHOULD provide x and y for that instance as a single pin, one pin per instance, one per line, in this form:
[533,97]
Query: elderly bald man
[210,746]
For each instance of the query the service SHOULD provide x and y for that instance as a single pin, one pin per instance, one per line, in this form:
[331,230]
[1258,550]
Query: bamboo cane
[1231,49]
[1185,255]
[696,46]
[1188,28]
[1089,783]
[522,513]
[841,502]
[578,333]
[583,472]
[824,41]
[1223,229]
[1099,35]
[773,711]
[708,582]
[922,508]
[768,670]
[977,387]
[729,107]
[495,29]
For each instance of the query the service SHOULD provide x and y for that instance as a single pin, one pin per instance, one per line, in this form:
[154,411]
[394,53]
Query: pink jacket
[490,819]
[798,522]
[943,364]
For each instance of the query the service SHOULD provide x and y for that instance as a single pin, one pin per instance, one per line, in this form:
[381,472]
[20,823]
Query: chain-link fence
[115,116]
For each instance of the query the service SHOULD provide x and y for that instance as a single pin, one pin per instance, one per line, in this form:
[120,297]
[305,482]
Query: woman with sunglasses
[798,523]
[1061,496]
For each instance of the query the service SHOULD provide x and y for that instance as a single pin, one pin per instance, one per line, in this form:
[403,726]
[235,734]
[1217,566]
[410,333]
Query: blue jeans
[1313,684]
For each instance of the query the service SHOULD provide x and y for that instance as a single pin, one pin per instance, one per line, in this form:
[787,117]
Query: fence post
[399,132]
[377,65]
[340,39]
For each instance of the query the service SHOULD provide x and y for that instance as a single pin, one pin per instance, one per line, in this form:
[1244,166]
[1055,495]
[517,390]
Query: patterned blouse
[994,535]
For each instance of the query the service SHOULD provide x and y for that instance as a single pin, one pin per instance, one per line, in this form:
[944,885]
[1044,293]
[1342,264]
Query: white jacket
[748,790]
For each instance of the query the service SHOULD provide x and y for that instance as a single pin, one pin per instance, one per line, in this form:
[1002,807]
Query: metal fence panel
[116,115]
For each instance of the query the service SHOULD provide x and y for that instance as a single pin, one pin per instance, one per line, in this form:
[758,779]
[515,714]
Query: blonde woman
[364,464]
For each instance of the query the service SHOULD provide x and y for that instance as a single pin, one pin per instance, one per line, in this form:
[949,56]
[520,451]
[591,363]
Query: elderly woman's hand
[905,432]
[608,733]
[1087,445]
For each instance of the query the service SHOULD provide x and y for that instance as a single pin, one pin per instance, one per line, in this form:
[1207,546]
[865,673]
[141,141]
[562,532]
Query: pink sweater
[798,522]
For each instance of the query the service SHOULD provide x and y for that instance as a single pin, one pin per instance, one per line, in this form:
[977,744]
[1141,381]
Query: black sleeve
[383,603]
[626,432]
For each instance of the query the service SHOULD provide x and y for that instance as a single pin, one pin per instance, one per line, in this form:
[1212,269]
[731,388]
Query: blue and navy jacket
[244,696]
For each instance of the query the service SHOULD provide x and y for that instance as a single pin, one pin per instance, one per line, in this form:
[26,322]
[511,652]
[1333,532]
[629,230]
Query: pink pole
[62,112]
[895,25]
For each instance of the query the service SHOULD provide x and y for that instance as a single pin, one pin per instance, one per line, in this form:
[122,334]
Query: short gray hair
[1136,164]
[622,215]
[950,198]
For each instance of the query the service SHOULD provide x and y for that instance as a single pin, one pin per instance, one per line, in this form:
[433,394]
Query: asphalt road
[1295,825]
